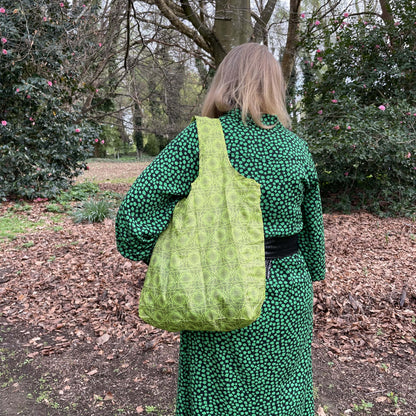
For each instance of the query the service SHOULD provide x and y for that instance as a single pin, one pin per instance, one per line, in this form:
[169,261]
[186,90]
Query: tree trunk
[386,13]
[292,40]
[232,25]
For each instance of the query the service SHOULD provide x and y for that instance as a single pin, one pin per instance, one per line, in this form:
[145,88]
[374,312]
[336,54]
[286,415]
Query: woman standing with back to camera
[264,369]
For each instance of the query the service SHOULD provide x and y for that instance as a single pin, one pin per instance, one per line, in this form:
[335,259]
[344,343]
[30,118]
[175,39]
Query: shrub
[152,147]
[359,111]
[44,139]
[93,211]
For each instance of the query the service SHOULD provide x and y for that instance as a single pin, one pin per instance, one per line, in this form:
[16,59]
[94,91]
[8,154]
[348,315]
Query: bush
[44,139]
[359,111]
[93,211]
[78,192]
[152,147]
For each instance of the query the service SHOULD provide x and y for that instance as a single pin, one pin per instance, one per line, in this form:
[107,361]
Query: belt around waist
[278,247]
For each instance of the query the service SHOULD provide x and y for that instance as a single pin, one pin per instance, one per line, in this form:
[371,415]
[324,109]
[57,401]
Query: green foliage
[359,111]
[78,192]
[93,211]
[12,224]
[110,140]
[44,139]
[152,146]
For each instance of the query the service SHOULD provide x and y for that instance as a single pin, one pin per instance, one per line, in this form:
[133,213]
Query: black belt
[278,247]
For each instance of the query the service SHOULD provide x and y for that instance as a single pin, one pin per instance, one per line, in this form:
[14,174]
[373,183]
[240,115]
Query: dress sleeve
[148,206]
[311,238]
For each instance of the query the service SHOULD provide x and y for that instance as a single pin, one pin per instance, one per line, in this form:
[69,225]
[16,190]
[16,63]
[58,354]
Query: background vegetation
[108,78]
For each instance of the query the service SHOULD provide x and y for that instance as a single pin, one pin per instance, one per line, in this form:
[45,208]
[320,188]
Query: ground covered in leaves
[71,342]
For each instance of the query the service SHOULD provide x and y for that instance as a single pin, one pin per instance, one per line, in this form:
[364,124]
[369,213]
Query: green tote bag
[207,269]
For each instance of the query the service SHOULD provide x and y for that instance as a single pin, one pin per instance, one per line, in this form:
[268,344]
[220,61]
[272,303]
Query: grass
[12,224]
[93,211]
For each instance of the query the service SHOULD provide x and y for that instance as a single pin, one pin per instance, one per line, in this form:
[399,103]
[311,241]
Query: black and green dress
[263,369]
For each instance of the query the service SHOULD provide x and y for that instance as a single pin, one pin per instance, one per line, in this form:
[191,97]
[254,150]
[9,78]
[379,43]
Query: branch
[262,20]
[207,34]
[179,25]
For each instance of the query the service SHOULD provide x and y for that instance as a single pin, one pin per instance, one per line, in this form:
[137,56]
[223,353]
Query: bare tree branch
[263,20]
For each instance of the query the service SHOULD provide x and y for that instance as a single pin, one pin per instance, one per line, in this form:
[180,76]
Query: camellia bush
[359,109]
[44,139]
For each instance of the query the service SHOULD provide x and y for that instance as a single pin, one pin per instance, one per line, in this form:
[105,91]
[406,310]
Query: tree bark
[232,25]
[260,28]
[292,40]
[386,13]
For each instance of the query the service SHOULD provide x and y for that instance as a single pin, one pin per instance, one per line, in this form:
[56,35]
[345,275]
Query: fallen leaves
[74,279]
[369,295]
[102,339]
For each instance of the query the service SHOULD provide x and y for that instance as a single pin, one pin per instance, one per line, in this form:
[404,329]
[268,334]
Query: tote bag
[207,269]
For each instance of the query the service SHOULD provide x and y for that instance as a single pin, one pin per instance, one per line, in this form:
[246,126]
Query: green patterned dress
[264,369]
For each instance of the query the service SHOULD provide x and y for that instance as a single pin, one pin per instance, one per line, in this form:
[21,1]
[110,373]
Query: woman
[263,369]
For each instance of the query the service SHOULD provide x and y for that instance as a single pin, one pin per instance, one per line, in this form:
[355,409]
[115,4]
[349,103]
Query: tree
[44,139]
[214,28]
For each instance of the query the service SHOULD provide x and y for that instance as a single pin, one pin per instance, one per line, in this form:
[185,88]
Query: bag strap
[213,156]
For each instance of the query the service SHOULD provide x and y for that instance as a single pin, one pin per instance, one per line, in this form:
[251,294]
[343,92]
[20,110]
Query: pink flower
[17,90]
[45,19]
[102,141]
[365,23]
[365,86]
[320,58]
[334,101]
[320,112]
[50,83]
[414,114]
[346,14]
[4,123]
[77,130]
[381,107]
[396,23]
[3,40]
[96,140]
[346,174]
[97,90]
[2,10]
[4,52]
[336,127]
[61,4]
[333,92]
[302,15]
[317,23]
[31,119]
[377,46]
[28,96]
[408,156]
[318,50]
[100,44]
[348,127]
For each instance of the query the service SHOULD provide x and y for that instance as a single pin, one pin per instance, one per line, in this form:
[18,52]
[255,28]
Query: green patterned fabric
[207,270]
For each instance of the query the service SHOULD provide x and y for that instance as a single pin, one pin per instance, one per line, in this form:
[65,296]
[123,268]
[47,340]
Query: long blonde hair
[249,78]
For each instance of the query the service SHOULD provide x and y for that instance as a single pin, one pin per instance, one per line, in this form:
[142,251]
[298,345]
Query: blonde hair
[249,78]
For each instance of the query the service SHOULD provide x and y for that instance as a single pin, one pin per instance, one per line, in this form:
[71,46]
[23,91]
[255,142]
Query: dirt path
[71,342]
